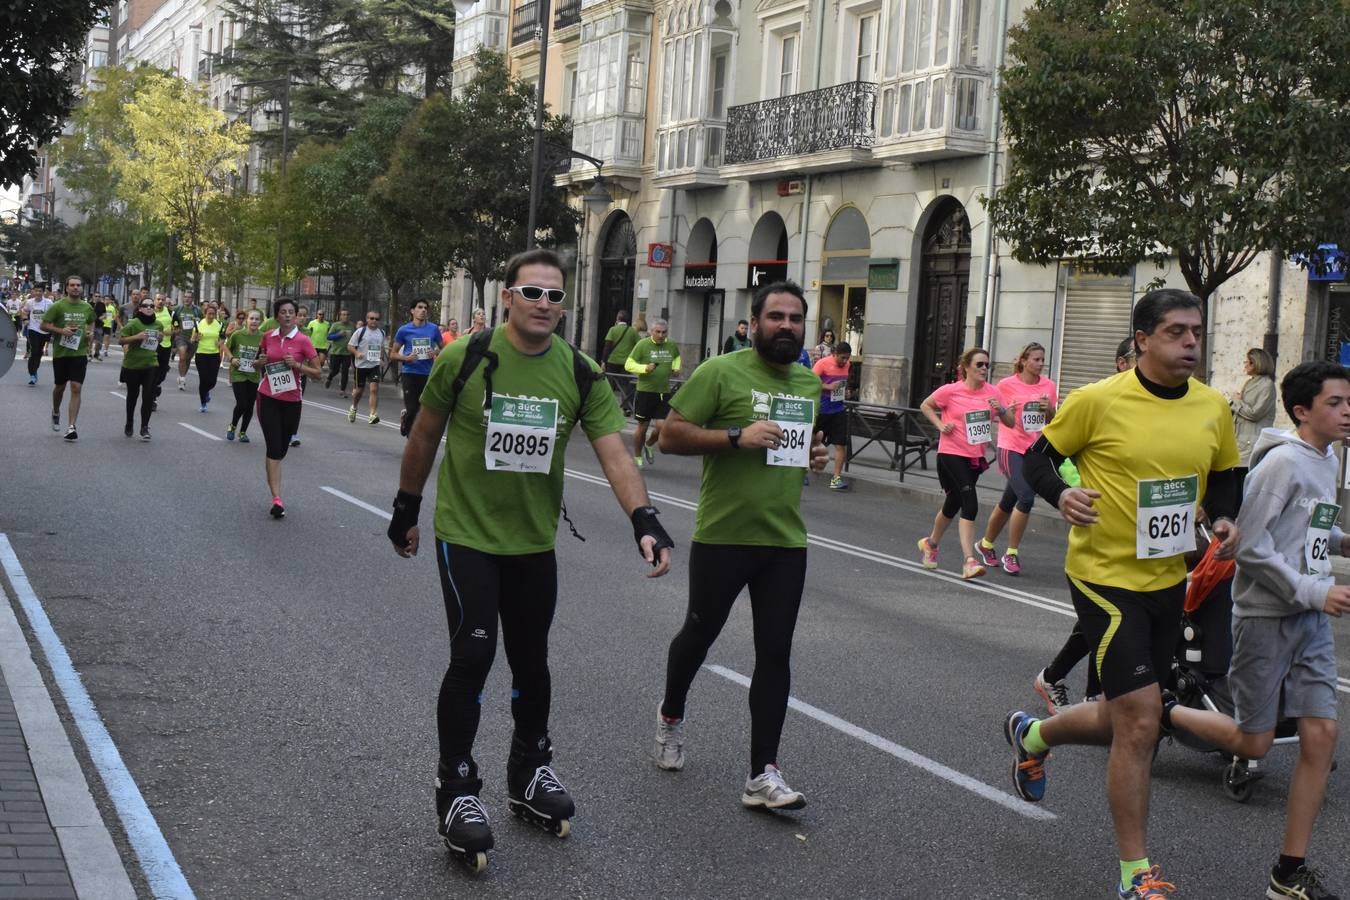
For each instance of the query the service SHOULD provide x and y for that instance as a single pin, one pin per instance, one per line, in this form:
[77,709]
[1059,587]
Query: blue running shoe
[1147,884]
[1028,770]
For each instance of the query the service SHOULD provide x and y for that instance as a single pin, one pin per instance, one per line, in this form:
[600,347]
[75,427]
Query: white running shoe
[1055,695]
[669,748]
[770,791]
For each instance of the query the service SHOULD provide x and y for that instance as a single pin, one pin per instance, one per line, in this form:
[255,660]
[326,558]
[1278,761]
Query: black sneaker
[145,432]
[71,436]
[277,511]
[1304,884]
[127,431]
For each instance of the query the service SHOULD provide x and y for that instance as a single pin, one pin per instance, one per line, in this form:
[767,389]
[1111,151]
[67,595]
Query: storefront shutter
[1096,319]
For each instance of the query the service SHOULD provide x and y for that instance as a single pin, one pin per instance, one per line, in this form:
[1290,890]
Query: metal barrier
[901,432]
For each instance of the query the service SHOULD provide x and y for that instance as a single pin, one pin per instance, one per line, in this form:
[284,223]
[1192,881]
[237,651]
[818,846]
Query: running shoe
[374,420]
[295,440]
[56,421]
[972,568]
[1055,694]
[243,437]
[927,553]
[669,749]
[277,511]
[1304,884]
[1147,884]
[1010,564]
[351,414]
[71,435]
[203,408]
[229,433]
[127,431]
[145,432]
[32,379]
[403,422]
[1028,769]
[987,554]
[837,483]
[770,791]
[647,454]
[182,383]
[637,461]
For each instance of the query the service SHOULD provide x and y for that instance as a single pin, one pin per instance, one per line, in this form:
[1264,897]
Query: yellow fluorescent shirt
[1119,434]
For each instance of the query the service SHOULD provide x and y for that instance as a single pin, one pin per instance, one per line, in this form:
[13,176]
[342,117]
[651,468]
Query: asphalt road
[271,687]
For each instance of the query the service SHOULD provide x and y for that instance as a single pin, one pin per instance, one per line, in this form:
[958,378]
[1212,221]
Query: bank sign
[700,276]
[761,272]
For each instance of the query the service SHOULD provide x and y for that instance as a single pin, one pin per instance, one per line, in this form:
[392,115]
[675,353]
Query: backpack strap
[585,377]
[476,351]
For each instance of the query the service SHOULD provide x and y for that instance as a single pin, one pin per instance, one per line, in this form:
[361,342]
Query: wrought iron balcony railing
[832,118]
[523,23]
[569,13]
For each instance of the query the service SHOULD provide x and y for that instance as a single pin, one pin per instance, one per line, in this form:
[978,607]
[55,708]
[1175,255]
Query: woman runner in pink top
[283,356]
[1033,399]
[963,412]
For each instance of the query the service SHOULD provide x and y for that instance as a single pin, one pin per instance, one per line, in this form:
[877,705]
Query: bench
[902,433]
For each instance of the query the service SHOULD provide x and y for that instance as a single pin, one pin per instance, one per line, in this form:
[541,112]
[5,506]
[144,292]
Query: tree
[41,241]
[1207,130]
[181,154]
[461,172]
[41,41]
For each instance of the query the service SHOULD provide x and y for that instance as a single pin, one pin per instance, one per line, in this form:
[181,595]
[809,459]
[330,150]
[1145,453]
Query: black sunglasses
[533,293]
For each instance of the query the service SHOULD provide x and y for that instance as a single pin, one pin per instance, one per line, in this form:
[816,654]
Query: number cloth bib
[1317,550]
[421,348]
[979,427]
[1165,519]
[521,435]
[246,357]
[1033,418]
[189,323]
[151,340]
[794,415]
[373,354]
[280,378]
[72,341]
[837,393]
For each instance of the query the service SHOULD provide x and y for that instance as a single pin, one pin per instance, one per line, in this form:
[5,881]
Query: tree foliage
[1207,130]
[41,240]
[41,42]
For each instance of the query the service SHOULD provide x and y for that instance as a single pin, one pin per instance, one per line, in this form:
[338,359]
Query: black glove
[645,524]
[406,508]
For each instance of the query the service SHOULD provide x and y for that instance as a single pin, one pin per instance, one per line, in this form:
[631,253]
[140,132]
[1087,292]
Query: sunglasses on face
[981,365]
[534,293]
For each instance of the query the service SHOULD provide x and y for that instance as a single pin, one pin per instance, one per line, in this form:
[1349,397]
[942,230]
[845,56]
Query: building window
[787,64]
[611,87]
[866,47]
[930,67]
[569,87]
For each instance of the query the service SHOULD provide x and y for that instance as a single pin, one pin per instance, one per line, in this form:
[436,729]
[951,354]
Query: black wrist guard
[406,508]
[645,524]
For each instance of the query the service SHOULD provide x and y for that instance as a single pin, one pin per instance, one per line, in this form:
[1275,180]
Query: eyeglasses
[981,365]
[146,306]
[372,318]
[534,293]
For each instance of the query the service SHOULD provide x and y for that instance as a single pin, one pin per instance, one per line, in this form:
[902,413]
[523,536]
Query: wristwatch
[734,435]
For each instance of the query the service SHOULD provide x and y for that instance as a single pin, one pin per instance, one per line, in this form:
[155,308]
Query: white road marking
[904,754]
[157,860]
[357,502]
[117,394]
[205,434]
[359,417]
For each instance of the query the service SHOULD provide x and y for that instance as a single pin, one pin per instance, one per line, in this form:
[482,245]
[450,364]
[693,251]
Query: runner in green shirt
[619,342]
[750,416]
[498,496]
[241,355]
[140,338]
[318,329]
[340,355]
[70,321]
[653,360]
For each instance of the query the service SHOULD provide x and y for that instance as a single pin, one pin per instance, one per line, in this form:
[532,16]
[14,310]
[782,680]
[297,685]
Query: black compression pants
[413,385]
[338,366]
[481,589]
[36,343]
[1071,654]
[245,395]
[717,573]
[957,476]
[140,383]
[162,370]
[279,419]
[208,371]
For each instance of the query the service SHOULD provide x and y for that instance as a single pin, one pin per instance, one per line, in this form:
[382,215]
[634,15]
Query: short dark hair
[776,287]
[1126,348]
[843,347]
[280,302]
[1304,382]
[1154,305]
[742,322]
[621,316]
[538,256]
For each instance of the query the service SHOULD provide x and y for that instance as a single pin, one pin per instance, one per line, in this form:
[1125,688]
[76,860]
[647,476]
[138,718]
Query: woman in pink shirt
[283,356]
[963,412]
[1032,398]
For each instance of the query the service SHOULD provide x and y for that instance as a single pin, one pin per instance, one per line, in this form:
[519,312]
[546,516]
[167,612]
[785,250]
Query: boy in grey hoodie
[1282,594]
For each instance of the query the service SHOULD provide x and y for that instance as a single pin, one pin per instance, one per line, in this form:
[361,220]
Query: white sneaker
[1056,695]
[669,748]
[770,791]
[182,383]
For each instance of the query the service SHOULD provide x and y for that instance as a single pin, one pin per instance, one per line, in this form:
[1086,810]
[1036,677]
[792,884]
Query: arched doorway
[768,252]
[843,286]
[700,285]
[617,250]
[944,281]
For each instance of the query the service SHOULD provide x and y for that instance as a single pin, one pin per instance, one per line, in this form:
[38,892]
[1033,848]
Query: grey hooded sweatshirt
[1288,479]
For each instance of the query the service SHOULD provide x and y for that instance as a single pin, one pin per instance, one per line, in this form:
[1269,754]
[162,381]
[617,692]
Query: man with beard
[749,415]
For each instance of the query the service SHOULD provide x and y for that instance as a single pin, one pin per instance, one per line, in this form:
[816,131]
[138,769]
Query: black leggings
[162,370]
[717,573]
[140,383]
[208,370]
[958,476]
[245,395]
[479,589]
[1074,649]
[339,365]
[36,343]
[413,385]
[279,419]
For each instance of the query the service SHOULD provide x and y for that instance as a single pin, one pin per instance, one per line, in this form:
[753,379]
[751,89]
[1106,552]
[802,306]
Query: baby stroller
[1199,677]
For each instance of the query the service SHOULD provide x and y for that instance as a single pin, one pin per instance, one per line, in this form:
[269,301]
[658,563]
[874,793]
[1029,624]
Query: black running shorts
[648,405]
[1131,635]
[69,368]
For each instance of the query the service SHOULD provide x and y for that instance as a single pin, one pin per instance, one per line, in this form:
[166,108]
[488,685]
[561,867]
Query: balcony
[816,131]
[936,115]
[568,14]
[204,68]
[524,22]
[690,154]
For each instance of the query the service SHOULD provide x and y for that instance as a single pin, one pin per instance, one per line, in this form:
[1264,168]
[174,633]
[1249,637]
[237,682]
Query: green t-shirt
[742,499]
[269,324]
[244,347]
[165,320]
[318,334]
[665,355]
[338,336]
[506,511]
[134,355]
[187,318]
[66,312]
[625,337]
